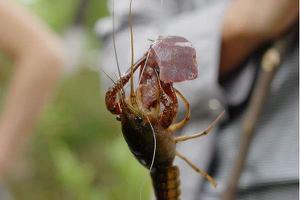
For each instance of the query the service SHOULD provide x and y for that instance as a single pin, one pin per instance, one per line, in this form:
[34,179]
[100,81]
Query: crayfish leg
[169,100]
[182,123]
[112,104]
[198,170]
[202,133]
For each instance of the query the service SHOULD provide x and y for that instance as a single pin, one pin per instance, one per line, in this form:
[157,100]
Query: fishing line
[154,138]
[153,157]
[154,149]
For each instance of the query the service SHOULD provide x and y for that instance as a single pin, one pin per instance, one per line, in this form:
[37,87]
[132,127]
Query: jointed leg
[183,122]
[198,170]
[118,90]
[168,99]
[205,132]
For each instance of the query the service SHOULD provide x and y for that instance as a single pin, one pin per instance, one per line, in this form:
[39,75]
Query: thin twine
[153,157]
[154,151]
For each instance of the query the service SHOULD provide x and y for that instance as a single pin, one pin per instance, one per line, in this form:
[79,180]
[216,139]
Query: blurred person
[229,37]
[38,58]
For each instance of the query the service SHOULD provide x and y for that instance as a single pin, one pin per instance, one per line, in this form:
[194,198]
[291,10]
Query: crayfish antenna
[110,78]
[114,38]
[132,94]
[198,170]
[120,94]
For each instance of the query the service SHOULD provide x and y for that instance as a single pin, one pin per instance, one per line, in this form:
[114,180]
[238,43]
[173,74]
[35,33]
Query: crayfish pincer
[148,113]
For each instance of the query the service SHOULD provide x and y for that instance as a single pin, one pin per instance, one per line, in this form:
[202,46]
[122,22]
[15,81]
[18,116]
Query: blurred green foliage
[60,14]
[77,152]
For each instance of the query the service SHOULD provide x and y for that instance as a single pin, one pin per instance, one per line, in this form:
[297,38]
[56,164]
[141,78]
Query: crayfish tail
[166,183]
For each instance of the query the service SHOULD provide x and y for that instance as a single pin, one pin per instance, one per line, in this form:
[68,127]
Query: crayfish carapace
[147,115]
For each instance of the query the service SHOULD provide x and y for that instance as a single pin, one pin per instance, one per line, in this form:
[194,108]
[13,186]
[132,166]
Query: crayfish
[148,113]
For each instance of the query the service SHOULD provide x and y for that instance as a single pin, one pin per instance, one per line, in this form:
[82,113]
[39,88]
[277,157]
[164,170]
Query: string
[153,158]
[154,151]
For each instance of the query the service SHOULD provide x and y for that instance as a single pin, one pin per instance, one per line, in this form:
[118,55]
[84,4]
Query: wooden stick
[269,65]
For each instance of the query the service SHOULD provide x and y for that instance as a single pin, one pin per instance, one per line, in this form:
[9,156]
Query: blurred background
[77,151]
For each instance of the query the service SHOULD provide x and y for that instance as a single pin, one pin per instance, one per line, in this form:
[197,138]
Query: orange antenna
[132,51]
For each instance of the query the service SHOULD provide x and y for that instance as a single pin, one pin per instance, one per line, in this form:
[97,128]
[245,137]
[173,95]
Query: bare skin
[38,59]
[250,23]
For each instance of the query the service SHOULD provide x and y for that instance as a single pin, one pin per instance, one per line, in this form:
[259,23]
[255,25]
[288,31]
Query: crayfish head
[143,137]
[132,117]
[138,134]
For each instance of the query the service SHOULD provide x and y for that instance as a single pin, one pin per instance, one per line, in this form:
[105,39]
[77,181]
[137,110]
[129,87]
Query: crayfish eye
[118,118]
[138,119]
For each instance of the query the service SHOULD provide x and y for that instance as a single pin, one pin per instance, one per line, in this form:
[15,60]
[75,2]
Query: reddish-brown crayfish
[148,114]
